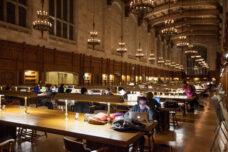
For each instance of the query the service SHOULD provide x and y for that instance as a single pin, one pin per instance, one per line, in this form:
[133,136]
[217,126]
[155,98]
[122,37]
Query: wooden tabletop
[53,121]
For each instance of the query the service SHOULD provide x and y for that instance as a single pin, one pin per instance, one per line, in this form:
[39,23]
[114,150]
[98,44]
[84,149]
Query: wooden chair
[77,146]
[30,135]
[173,121]
[7,144]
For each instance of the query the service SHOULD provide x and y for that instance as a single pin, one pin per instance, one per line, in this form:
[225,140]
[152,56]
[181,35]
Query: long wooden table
[184,100]
[53,121]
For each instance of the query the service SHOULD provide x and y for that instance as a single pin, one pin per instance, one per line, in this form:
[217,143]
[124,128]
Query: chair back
[73,146]
[218,109]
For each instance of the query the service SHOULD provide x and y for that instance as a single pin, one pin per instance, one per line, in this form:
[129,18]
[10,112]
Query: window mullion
[61,18]
[68,19]
[5,11]
[55,14]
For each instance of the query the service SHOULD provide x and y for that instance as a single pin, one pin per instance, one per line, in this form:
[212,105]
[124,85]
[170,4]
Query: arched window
[14,12]
[61,12]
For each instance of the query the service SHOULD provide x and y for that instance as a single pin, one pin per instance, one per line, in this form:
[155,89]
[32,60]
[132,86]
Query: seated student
[61,89]
[82,107]
[36,89]
[141,107]
[154,106]
[45,101]
[189,90]
[108,92]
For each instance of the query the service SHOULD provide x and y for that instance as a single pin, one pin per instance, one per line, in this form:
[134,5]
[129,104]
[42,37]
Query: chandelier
[181,67]
[93,40]
[42,23]
[190,52]
[172,64]
[141,7]
[199,60]
[122,46]
[195,56]
[139,53]
[182,44]
[168,62]
[169,31]
[121,49]
[152,57]
[161,60]
[169,21]
[195,68]
[177,66]
[182,37]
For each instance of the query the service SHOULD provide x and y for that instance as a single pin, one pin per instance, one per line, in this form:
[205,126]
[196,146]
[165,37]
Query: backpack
[171,104]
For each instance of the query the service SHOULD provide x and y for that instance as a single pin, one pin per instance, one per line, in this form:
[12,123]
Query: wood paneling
[15,58]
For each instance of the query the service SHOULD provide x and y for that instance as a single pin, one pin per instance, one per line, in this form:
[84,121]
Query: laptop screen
[23,90]
[158,99]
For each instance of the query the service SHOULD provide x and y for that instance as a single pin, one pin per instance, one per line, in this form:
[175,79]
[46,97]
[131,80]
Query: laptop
[157,99]
[140,116]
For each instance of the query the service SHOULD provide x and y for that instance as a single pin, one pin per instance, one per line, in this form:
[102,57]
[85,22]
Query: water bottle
[76,116]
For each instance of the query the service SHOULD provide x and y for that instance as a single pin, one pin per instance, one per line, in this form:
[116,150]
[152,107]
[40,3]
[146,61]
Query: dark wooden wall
[15,58]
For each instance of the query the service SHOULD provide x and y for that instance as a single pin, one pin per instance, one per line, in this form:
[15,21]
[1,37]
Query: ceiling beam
[212,13]
[209,37]
[192,21]
[186,4]
[186,28]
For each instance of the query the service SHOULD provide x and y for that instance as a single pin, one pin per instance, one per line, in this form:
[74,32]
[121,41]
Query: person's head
[62,85]
[108,90]
[83,90]
[150,95]
[48,87]
[184,84]
[142,102]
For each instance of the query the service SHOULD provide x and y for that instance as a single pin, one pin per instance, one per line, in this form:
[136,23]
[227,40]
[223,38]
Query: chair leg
[10,147]
[216,134]
[46,134]
[149,144]
[224,134]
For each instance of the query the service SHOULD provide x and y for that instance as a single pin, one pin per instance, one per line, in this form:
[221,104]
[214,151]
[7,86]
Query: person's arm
[126,115]
[150,115]
[158,105]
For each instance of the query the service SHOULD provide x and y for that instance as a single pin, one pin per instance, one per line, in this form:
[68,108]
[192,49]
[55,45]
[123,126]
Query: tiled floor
[194,134]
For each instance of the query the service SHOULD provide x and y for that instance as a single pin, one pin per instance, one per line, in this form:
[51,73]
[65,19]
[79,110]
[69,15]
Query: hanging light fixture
[139,53]
[182,37]
[141,7]
[93,40]
[169,29]
[182,44]
[172,64]
[190,51]
[195,68]
[42,22]
[152,57]
[122,46]
[161,60]
[167,62]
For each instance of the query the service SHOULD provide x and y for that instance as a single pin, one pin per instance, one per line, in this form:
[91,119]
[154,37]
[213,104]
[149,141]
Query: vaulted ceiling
[193,18]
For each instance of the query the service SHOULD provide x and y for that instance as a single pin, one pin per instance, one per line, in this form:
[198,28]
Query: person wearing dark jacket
[141,107]
[154,107]
[61,89]
[45,101]
[82,107]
